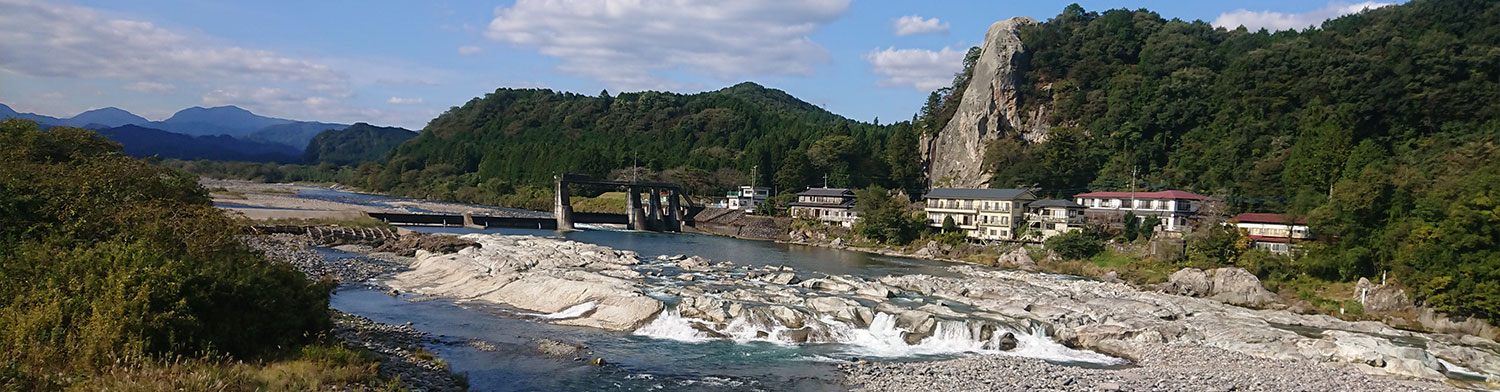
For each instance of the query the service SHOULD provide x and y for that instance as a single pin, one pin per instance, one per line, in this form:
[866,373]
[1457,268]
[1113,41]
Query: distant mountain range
[141,141]
[196,121]
[226,133]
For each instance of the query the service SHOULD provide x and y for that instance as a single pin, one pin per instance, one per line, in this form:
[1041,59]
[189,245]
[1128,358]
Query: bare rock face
[987,109]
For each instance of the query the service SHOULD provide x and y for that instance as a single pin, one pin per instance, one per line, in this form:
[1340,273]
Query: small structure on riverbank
[1277,233]
[829,205]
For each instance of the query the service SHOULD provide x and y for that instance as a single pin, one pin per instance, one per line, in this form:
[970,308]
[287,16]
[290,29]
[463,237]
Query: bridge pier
[674,213]
[633,209]
[563,210]
[655,202]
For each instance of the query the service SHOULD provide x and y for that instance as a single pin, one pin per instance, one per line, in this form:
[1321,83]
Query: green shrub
[105,257]
[1075,245]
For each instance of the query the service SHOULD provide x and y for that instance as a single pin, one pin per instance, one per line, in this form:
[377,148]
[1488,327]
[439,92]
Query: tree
[1148,226]
[1075,245]
[884,217]
[793,175]
[1132,226]
[948,225]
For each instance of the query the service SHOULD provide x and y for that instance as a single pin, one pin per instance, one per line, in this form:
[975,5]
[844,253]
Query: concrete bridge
[665,208]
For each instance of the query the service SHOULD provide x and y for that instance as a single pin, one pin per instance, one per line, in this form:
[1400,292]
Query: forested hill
[359,143]
[708,141]
[1259,116]
[1381,127]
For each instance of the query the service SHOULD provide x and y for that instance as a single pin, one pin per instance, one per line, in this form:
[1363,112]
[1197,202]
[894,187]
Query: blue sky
[404,62]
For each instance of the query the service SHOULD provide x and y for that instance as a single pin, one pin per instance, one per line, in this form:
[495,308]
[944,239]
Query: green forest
[1380,127]
[359,143]
[708,142]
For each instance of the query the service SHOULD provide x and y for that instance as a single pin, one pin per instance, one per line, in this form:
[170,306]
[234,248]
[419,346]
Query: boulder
[706,308]
[1006,342]
[782,278]
[826,285]
[625,313]
[1381,298]
[930,251]
[842,309]
[694,263]
[837,242]
[1191,282]
[1239,287]
[1017,258]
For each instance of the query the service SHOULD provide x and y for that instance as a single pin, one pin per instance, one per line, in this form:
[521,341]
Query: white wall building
[1176,209]
[1273,232]
[829,205]
[986,214]
[747,198]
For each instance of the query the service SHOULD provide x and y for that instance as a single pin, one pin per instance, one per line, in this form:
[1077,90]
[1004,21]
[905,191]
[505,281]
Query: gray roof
[1054,203]
[832,192]
[965,193]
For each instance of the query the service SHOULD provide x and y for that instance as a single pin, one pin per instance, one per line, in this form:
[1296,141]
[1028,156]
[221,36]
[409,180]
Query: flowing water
[670,353]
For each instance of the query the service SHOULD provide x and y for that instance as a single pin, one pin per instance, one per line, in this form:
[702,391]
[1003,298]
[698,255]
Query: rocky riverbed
[982,311]
[1178,366]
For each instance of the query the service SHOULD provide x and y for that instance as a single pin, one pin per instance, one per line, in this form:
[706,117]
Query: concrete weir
[664,208]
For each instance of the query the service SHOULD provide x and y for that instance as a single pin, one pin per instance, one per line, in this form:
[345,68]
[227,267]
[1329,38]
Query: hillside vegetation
[359,143]
[118,274]
[1382,127]
[709,142]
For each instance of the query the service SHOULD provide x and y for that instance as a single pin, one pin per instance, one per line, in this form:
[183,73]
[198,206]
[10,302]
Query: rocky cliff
[987,110]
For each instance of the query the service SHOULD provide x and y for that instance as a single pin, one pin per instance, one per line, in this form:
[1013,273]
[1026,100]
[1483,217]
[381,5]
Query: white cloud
[404,101]
[921,69]
[82,43]
[150,87]
[628,44]
[914,24]
[1278,21]
[470,50]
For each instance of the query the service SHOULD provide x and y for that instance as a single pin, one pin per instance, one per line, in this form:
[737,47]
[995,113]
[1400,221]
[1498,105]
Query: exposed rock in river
[981,310]
[537,274]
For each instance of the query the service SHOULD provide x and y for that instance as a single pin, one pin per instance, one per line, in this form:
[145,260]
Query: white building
[1176,209]
[1053,217]
[829,205]
[747,198]
[1274,232]
[986,214]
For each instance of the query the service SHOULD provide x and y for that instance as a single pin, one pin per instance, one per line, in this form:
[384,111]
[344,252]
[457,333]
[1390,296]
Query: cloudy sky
[404,62]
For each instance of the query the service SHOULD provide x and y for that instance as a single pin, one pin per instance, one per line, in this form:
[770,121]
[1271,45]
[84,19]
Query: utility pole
[1133,170]
[825,180]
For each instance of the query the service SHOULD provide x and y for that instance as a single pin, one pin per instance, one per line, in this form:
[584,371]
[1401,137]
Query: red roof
[1177,195]
[1260,217]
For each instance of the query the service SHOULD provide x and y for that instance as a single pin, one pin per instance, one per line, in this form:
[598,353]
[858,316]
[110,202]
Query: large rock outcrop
[540,275]
[988,108]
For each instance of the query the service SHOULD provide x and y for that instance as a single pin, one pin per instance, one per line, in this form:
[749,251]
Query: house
[986,214]
[747,198]
[829,205]
[1273,232]
[1051,217]
[1176,209]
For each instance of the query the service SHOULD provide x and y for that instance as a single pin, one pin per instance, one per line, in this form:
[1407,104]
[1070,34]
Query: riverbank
[399,350]
[289,202]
